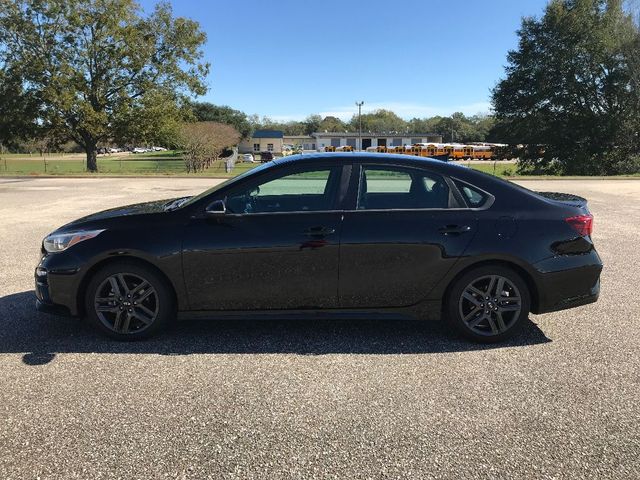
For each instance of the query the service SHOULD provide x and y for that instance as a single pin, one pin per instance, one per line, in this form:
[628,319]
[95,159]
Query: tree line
[456,127]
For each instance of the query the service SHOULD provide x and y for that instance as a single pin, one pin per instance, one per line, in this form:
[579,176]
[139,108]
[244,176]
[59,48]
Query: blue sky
[287,59]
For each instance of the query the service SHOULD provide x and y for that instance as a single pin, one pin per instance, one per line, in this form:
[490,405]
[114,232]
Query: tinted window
[294,192]
[389,188]
[474,197]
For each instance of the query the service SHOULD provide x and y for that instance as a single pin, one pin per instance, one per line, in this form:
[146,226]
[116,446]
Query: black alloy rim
[126,303]
[490,305]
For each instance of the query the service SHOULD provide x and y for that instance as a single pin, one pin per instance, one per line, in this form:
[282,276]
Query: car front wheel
[488,304]
[127,301]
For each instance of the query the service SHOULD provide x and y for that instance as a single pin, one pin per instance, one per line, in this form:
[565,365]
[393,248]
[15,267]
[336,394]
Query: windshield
[215,188]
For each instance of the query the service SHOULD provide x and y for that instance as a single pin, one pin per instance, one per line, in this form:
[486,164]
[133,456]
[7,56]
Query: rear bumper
[567,281]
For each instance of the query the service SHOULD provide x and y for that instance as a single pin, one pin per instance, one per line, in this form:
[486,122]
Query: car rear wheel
[127,301]
[488,304]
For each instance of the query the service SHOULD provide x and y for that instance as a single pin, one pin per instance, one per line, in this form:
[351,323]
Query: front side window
[396,188]
[303,191]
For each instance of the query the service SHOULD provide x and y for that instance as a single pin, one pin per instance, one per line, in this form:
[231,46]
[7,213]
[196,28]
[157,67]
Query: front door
[366,143]
[401,239]
[276,248]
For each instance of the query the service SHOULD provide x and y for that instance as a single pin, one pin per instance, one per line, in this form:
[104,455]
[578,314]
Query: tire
[147,310]
[484,320]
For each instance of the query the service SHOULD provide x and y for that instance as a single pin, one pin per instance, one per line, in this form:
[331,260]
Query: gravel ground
[324,399]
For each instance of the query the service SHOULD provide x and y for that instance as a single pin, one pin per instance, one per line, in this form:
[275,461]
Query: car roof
[375,157]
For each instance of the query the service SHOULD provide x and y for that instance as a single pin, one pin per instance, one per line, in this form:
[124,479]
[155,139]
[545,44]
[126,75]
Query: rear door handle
[454,229]
[319,231]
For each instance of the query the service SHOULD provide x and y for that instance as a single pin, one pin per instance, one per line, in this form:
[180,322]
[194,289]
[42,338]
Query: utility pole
[359,104]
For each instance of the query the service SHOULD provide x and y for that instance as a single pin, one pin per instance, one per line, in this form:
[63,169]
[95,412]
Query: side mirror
[216,209]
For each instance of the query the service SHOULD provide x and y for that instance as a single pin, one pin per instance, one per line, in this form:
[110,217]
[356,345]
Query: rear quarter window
[474,197]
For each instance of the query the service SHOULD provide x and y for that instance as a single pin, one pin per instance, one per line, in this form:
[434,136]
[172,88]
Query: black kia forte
[345,235]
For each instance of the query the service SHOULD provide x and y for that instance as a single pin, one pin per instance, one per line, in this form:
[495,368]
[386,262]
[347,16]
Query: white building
[336,139]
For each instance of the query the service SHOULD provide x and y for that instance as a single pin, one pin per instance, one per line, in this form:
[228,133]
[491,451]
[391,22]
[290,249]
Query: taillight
[583,224]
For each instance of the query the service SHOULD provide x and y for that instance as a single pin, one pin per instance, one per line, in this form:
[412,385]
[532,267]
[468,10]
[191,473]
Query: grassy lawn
[171,163]
[499,169]
[152,163]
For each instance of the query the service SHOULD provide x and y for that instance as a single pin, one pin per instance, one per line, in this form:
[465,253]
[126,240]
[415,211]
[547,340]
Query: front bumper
[56,286]
[52,308]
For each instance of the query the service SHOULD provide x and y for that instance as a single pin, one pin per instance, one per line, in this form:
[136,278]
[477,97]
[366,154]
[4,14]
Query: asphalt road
[324,399]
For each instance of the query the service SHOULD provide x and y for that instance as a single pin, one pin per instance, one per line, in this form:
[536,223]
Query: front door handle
[454,229]
[319,231]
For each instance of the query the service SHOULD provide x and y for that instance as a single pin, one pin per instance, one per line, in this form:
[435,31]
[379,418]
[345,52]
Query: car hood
[158,206]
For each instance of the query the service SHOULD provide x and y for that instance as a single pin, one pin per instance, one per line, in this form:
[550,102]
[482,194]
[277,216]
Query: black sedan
[339,234]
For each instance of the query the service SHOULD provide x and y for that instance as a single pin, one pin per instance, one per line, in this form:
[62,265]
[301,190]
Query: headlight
[58,242]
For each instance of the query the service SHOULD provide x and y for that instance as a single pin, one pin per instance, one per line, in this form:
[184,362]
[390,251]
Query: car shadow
[41,336]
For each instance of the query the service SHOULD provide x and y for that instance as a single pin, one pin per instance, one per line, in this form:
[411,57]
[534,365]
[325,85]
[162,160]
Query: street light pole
[359,104]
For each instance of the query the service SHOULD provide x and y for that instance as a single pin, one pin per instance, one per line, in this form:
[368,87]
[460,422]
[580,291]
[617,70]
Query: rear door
[403,232]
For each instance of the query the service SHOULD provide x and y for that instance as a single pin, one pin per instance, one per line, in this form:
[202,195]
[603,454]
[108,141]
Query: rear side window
[397,188]
[474,197]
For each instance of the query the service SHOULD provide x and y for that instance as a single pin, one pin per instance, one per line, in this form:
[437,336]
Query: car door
[276,247]
[402,233]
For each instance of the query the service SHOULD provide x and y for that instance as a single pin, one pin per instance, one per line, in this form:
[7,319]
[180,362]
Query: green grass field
[171,163]
[153,163]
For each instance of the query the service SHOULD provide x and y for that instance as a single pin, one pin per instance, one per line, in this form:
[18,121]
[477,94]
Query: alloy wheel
[490,305]
[126,303]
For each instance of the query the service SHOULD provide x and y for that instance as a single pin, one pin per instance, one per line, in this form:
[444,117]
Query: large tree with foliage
[569,90]
[208,112]
[379,121]
[92,64]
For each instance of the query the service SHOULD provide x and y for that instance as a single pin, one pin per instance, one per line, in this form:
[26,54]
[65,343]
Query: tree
[570,91]
[18,111]
[379,121]
[331,124]
[312,124]
[156,118]
[203,142]
[90,63]
[208,112]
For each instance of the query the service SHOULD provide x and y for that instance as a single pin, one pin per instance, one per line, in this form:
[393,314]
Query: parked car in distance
[139,150]
[266,156]
[158,149]
[114,150]
[248,157]
[344,235]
